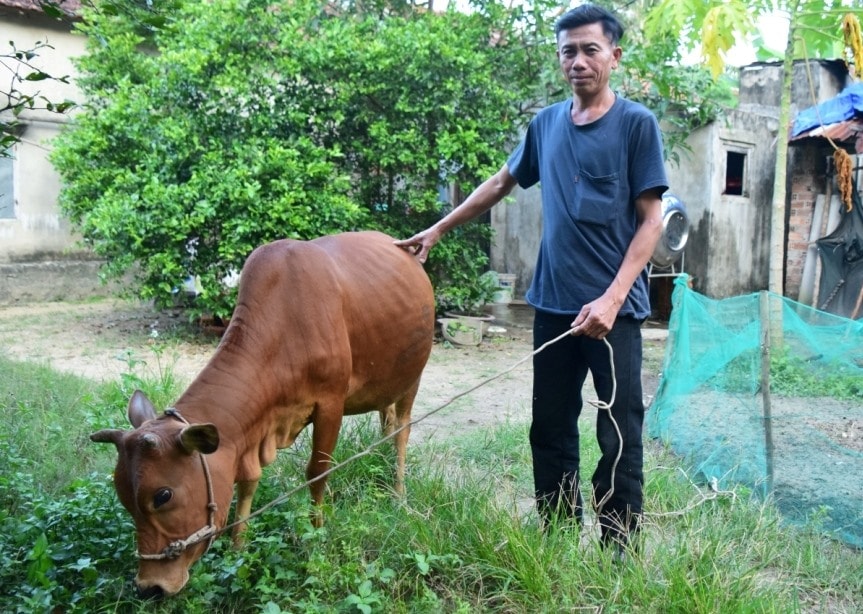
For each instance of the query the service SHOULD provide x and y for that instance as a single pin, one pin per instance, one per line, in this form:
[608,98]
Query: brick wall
[802,206]
[807,179]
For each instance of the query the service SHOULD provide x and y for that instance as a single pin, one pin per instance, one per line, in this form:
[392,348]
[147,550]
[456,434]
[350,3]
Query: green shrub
[229,125]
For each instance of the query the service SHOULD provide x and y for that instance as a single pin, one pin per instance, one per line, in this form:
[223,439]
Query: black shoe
[619,545]
[619,554]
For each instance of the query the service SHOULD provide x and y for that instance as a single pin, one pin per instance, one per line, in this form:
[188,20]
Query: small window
[735,174]
[7,198]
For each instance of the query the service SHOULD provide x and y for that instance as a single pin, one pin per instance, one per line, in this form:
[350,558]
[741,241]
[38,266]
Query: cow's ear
[203,438]
[108,436]
[140,409]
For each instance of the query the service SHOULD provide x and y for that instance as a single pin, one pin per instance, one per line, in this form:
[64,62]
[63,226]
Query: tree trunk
[776,276]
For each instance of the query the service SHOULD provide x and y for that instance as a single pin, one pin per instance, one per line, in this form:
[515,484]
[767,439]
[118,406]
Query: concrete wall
[518,227]
[729,234]
[37,231]
[39,255]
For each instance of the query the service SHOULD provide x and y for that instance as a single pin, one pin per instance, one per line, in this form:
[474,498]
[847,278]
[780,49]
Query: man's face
[587,58]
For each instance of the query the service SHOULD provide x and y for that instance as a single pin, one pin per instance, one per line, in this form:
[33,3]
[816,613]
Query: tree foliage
[18,73]
[715,26]
[240,122]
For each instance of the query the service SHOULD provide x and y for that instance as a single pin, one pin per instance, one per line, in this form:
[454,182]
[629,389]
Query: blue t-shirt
[589,179]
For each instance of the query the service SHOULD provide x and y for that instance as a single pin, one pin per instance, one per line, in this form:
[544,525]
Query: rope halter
[208,532]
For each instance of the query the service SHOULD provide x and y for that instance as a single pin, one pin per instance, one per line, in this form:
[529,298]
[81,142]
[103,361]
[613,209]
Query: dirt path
[104,339]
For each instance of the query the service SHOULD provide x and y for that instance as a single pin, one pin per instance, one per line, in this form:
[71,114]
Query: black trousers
[559,374]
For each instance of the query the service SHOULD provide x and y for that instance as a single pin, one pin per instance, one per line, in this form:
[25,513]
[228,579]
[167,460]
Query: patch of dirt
[481,386]
[843,431]
[104,339]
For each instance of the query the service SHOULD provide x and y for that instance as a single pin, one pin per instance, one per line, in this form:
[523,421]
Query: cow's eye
[162,496]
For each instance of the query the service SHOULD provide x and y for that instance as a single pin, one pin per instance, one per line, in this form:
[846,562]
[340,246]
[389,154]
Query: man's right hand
[478,202]
[420,244]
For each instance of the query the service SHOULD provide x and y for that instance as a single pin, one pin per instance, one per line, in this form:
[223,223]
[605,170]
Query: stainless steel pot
[675,232]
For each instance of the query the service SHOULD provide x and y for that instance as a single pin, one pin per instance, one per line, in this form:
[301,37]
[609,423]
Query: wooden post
[822,231]
[807,279]
[764,308]
[857,305]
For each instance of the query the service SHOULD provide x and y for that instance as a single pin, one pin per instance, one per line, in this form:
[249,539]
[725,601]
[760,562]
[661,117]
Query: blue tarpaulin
[848,104]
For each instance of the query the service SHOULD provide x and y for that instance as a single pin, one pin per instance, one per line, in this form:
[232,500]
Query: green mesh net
[765,392]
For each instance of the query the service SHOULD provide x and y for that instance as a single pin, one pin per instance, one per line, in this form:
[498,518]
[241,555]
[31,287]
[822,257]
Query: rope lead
[174,549]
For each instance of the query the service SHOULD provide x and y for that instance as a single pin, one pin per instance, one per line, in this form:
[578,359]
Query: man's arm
[597,317]
[483,198]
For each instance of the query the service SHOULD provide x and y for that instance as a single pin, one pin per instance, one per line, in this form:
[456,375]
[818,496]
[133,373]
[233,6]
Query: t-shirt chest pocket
[596,197]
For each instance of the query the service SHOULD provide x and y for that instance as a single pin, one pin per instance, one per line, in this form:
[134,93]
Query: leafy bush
[249,124]
[53,554]
[469,298]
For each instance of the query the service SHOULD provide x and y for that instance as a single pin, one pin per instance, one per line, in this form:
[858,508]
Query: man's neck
[588,110]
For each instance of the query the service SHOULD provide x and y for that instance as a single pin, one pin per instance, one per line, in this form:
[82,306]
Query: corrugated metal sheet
[848,131]
[70,7]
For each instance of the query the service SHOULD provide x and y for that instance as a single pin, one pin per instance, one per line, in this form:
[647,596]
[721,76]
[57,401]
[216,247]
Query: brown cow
[336,326]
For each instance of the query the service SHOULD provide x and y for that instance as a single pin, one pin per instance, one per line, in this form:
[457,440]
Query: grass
[463,540]
[653,355]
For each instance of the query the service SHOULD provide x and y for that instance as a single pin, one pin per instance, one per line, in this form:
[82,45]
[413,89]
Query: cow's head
[162,480]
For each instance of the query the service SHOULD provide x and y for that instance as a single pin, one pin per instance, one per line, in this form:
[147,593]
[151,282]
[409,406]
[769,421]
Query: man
[598,159]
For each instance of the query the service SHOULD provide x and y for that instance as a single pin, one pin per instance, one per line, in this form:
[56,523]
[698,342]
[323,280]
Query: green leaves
[37,75]
[18,69]
[721,26]
[238,124]
[716,25]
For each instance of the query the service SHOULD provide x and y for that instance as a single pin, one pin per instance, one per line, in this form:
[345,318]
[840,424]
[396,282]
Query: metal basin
[675,232]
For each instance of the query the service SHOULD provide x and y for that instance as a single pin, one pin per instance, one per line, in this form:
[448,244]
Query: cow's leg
[389,423]
[325,433]
[388,419]
[403,409]
[245,492]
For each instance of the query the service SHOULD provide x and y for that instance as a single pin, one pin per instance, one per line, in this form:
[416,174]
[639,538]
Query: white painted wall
[38,232]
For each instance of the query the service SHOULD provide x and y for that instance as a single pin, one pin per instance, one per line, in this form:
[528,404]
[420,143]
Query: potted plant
[467,301]
[462,331]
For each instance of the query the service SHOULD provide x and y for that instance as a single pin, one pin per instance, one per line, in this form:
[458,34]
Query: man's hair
[587,14]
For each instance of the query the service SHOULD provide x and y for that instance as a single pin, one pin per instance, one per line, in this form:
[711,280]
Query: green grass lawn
[463,540]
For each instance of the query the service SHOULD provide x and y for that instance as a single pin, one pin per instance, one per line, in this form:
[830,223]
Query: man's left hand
[596,318]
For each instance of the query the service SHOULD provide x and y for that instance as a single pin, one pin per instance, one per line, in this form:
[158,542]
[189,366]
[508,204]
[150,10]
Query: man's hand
[596,318]
[478,202]
[420,244]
